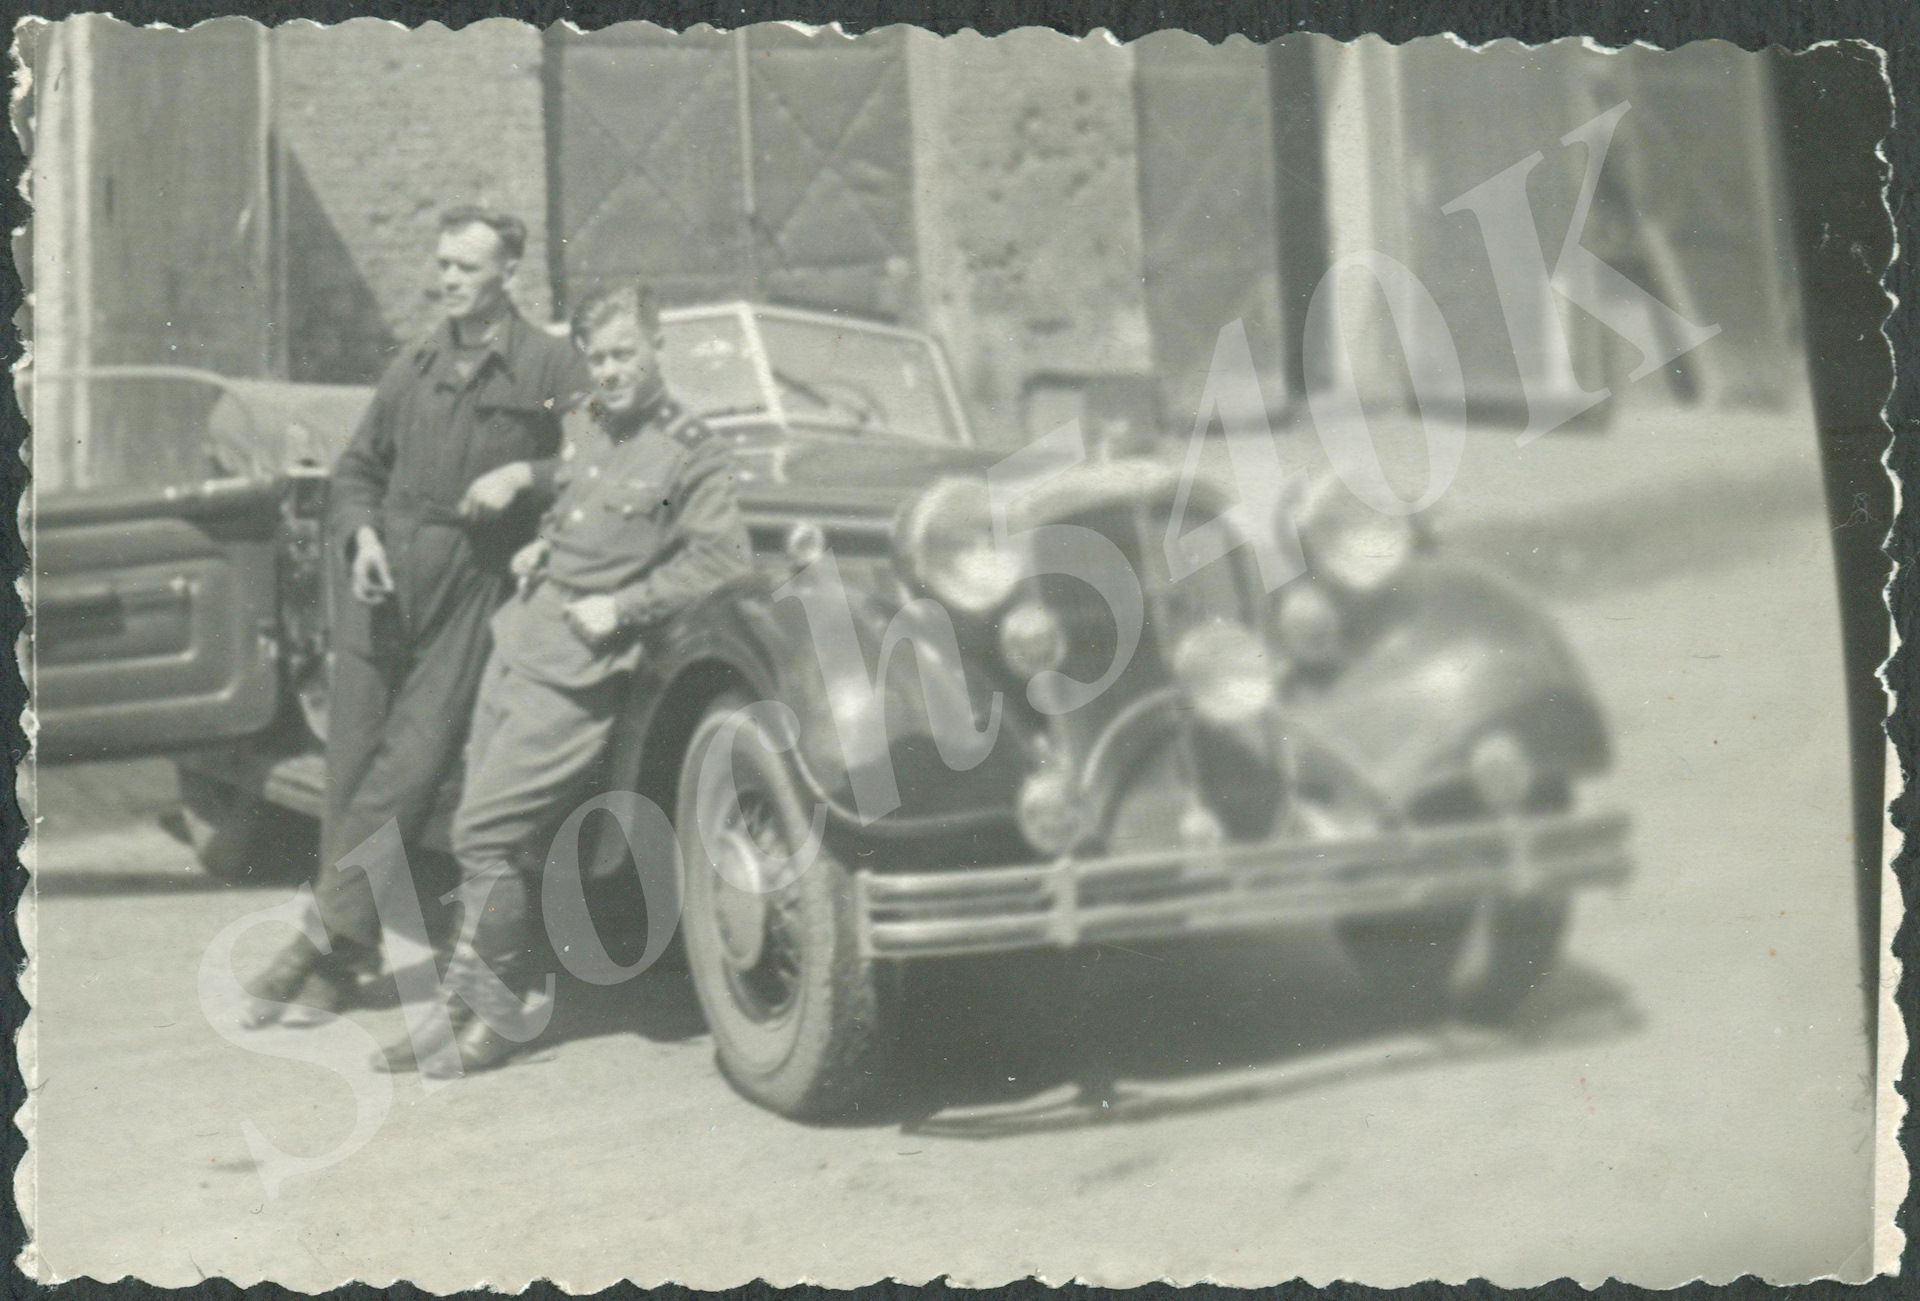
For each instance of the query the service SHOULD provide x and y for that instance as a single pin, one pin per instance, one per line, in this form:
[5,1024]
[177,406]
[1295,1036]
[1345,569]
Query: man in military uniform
[646,523]
[441,484]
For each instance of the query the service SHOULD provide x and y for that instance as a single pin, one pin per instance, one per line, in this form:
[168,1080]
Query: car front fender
[1459,653]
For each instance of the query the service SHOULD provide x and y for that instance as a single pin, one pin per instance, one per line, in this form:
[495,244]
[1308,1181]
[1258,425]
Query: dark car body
[1373,775]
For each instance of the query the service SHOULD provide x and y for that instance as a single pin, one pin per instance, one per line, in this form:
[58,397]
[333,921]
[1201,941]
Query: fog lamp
[1200,828]
[1306,625]
[1501,772]
[1225,671]
[1032,639]
[1048,816]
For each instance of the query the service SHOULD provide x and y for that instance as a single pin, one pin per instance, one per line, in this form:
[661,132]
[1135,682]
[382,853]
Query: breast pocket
[634,514]
[515,425]
[633,497]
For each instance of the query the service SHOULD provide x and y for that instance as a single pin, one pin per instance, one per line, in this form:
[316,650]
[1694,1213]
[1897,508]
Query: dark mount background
[1833,109]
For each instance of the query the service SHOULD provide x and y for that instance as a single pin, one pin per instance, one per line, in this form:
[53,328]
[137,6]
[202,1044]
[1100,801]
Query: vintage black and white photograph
[764,654]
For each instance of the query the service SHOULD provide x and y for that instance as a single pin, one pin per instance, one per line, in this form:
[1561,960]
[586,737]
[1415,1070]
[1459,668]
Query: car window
[840,376]
[708,366]
[116,428]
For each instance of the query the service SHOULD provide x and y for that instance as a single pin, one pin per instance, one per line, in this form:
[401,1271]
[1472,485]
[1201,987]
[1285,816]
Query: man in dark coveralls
[441,484]
[645,524]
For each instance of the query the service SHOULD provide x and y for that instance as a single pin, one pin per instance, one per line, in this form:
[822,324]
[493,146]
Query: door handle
[83,600]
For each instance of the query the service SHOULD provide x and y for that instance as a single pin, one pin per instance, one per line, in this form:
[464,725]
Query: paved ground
[1687,1098]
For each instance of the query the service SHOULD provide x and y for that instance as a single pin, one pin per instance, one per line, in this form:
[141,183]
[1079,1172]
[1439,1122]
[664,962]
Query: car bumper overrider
[1174,893]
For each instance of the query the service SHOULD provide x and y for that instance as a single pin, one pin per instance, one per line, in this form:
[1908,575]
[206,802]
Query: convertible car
[1391,744]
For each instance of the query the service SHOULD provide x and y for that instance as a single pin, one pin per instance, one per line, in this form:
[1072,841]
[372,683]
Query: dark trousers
[399,719]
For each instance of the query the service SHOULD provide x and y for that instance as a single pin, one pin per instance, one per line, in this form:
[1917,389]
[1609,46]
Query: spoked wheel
[801,1024]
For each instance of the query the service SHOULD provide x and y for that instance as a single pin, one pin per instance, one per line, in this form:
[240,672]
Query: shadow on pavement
[1028,1043]
[658,1005]
[1038,1042]
[1112,1036]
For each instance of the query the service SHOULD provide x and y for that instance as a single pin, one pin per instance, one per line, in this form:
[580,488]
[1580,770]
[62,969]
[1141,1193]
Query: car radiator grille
[1224,588]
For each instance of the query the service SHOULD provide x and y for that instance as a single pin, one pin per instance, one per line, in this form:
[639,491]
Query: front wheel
[801,1023]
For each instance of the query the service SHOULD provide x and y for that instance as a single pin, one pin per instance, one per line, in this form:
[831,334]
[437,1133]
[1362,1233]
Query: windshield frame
[748,315]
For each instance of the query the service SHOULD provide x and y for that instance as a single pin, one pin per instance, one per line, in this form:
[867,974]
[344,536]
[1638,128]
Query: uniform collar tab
[656,406]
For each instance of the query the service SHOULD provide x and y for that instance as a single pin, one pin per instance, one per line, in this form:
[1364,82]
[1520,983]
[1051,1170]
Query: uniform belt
[431,513]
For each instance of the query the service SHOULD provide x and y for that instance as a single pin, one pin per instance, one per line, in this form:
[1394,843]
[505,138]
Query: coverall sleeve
[567,387]
[714,548]
[360,476]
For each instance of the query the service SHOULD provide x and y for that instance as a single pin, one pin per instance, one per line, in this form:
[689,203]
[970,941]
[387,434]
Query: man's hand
[372,576]
[495,490]
[528,561]
[594,619]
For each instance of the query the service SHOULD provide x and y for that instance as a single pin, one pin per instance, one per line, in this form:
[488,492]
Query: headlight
[1306,624]
[1032,639]
[1351,544]
[1226,672]
[946,540]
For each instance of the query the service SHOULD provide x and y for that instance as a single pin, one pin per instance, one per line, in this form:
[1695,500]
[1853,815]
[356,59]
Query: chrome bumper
[1178,893]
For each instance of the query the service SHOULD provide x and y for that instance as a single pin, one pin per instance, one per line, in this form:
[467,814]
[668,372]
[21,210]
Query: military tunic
[648,516]
[406,671]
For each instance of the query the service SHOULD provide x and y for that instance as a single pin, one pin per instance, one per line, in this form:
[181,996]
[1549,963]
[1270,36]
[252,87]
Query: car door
[154,616]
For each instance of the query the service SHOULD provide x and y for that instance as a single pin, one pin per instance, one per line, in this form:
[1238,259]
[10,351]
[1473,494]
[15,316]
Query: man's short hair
[511,230]
[598,308]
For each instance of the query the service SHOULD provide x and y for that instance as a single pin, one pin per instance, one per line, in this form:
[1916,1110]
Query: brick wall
[1027,182]
[384,128]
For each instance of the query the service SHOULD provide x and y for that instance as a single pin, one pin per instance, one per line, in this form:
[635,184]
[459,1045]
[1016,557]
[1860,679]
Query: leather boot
[492,994]
[403,1054]
[281,983]
[338,981]
[481,1049]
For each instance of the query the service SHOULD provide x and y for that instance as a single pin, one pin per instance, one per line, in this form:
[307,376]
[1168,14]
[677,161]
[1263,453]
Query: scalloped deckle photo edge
[723,655]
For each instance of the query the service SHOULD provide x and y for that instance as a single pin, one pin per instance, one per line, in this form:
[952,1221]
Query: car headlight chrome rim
[946,539]
[1032,639]
[1225,671]
[1352,545]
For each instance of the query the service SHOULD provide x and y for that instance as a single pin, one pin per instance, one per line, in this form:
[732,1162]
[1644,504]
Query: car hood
[846,475]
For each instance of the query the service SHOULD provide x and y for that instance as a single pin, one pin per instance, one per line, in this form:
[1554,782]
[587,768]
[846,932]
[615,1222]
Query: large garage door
[1216,208]
[155,242]
[767,163]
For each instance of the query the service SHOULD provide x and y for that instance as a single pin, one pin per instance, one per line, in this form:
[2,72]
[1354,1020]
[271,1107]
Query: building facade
[262,202]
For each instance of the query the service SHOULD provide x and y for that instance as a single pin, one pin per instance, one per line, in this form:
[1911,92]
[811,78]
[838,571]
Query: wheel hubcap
[740,915]
[757,943]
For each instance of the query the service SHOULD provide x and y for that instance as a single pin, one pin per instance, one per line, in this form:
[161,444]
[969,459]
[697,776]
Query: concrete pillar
[1364,167]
